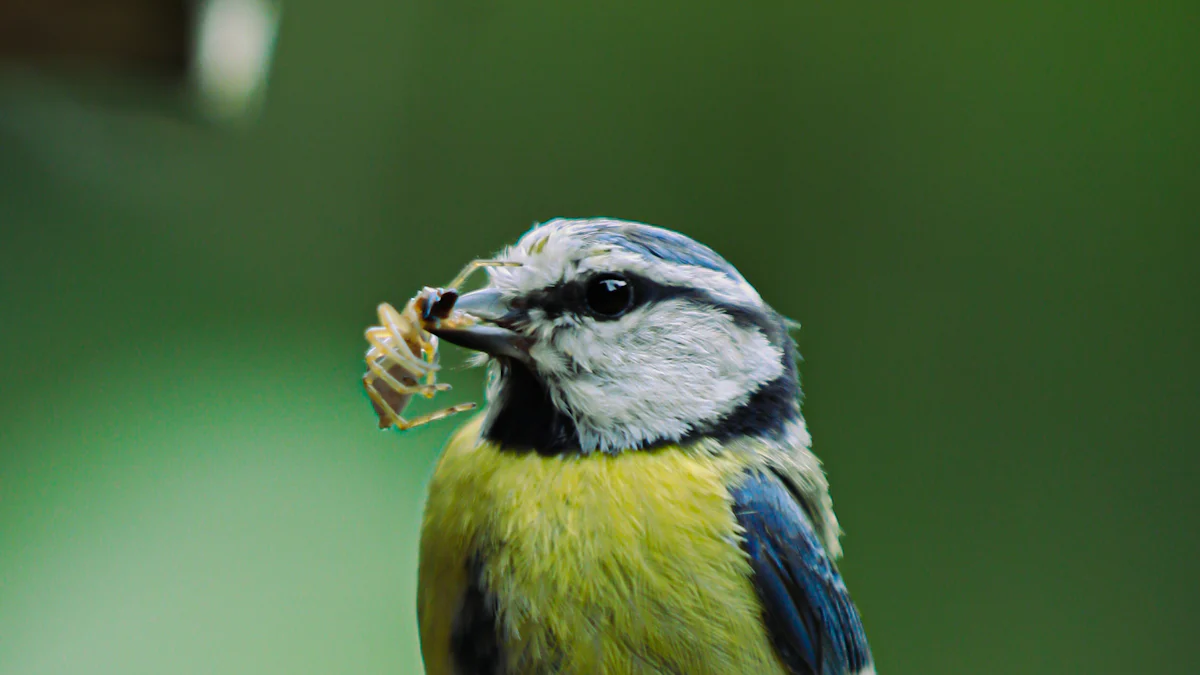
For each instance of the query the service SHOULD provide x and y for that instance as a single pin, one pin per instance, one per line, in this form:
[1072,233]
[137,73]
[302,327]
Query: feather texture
[807,610]
[623,564]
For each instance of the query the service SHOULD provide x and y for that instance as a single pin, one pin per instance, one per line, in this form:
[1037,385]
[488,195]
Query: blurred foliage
[984,215]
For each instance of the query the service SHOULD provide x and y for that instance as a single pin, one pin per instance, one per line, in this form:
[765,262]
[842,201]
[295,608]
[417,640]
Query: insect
[402,361]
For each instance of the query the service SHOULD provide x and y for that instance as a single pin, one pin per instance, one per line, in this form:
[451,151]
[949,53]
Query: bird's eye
[609,295]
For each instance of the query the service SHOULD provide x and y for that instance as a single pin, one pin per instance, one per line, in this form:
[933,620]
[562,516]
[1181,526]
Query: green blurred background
[984,215]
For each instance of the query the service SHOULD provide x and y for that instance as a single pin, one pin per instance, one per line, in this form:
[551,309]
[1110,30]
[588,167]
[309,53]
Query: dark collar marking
[766,415]
[527,419]
[475,634]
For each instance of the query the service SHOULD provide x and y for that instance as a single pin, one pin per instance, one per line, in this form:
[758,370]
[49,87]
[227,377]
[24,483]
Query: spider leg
[398,326]
[429,351]
[427,390]
[404,425]
[384,346]
[474,265]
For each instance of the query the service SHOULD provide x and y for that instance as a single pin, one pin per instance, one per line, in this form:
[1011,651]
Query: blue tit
[638,494]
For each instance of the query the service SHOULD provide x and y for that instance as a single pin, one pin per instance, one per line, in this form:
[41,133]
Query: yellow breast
[598,564]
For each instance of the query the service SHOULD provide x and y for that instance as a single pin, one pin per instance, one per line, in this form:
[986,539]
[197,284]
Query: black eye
[609,295]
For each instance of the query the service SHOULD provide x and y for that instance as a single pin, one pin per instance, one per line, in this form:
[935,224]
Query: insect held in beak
[402,360]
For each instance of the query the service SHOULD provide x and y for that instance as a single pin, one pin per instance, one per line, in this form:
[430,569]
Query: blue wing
[813,624]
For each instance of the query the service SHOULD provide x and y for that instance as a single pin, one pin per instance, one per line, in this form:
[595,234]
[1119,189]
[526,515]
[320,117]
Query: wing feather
[806,607]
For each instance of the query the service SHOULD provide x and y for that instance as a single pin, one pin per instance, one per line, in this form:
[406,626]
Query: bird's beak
[490,336]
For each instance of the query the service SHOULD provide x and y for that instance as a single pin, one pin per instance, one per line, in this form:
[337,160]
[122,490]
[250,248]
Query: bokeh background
[985,216]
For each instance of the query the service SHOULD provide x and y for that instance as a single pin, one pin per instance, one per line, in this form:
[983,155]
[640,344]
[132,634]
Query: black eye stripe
[570,298]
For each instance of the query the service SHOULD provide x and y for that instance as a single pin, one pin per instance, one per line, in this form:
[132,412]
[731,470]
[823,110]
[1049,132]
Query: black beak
[491,336]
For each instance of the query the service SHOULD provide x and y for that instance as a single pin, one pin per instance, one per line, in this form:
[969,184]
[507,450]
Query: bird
[638,493]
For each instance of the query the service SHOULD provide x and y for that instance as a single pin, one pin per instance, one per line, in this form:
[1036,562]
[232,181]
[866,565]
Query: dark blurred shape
[152,36]
[214,56]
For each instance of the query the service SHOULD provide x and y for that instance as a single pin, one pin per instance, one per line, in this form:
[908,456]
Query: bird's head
[613,335]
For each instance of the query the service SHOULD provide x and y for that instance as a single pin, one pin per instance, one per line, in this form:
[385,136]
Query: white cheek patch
[656,374]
